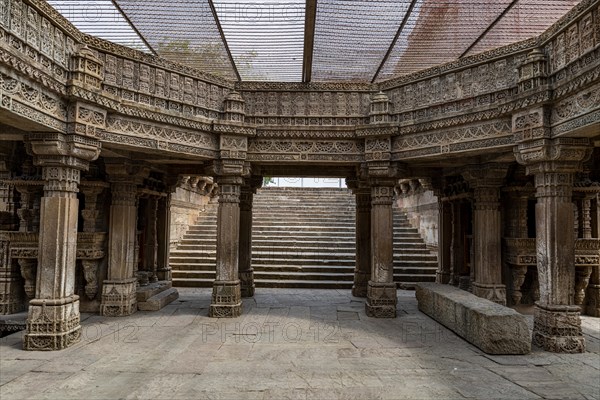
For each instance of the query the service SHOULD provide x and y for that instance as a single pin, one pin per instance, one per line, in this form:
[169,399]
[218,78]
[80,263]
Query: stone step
[301,238]
[159,300]
[303,284]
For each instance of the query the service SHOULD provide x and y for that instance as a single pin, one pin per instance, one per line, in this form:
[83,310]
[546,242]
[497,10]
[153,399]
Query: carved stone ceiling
[313,40]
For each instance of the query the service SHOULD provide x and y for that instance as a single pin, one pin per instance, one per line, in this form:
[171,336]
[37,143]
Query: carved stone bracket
[28,272]
[518,277]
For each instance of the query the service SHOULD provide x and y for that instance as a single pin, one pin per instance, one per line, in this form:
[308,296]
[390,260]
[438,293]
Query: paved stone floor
[289,344]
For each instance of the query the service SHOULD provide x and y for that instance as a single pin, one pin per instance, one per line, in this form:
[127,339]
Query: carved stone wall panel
[480,85]
[324,108]
[576,37]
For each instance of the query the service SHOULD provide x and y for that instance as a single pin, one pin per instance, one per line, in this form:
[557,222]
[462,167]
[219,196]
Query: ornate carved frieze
[305,150]
[492,134]
[32,102]
[522,251]
[148,135]
[576,111]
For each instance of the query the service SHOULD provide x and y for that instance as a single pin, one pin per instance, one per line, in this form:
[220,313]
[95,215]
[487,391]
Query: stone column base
[52,324]
[247,283]
[12,296]
[490,291]
[381,300]
[119,298]
[593,300]
[226,300]
[361,283]
[442,277]
[557,328]
[165,274]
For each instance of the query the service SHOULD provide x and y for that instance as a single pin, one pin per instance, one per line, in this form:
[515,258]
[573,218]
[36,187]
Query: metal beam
[310,16]
[216,17]
[135,29]
[489,28]
[398,33]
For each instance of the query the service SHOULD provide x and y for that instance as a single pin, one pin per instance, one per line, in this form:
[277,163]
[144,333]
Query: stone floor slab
[289,344]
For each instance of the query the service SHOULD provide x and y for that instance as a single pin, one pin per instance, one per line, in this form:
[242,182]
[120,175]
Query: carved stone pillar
[586,217]
[226,297]
[151,236]
[28,212]
[91,214]
[362,269]
[53,318]
[246,272]
[443,274]
[456,244]
[163,228]
[11,283]
[487,231]
[381,291]
[557,326]
[516,226]
[119,289]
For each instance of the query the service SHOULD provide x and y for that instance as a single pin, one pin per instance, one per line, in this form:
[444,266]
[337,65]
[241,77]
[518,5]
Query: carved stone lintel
[226,300]
[558,329]
[381,300]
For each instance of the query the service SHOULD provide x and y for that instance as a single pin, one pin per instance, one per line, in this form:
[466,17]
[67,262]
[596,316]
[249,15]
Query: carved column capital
[532,124]
[545,155]
[56,149]
[382,195]
[227,167]
[126,171]
[554,163]
[233,147]
[486,180]
[486,175]
[62,157]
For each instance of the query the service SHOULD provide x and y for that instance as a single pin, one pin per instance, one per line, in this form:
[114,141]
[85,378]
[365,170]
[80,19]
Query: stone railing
[24,247]
[86,85]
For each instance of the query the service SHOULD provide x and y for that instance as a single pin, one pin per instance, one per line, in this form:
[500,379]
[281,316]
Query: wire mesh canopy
[313,40]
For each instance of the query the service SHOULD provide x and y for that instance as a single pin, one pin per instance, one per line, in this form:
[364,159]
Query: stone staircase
[302,237]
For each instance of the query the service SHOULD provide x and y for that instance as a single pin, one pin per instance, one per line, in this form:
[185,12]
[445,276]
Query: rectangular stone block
[493,328]
[158,301]
[145,292]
